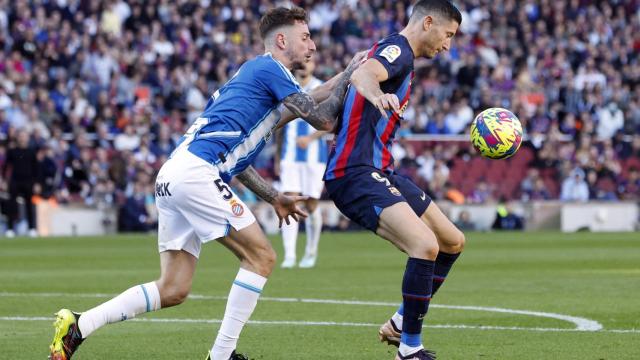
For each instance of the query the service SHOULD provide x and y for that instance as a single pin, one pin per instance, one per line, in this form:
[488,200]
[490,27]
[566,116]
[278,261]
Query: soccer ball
[496,133]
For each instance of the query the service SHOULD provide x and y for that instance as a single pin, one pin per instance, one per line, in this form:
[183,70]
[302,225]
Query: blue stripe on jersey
[342,135]
[302,130]
[382,125]
[377,143]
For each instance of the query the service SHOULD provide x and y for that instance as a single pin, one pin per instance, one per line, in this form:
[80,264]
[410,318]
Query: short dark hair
[281,16]
[443,8]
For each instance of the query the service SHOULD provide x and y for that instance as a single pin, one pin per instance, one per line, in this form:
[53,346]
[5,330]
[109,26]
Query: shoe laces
[72,340]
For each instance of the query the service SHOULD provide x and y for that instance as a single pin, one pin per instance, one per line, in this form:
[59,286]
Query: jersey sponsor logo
[162,189]
[236,208]
[391,53]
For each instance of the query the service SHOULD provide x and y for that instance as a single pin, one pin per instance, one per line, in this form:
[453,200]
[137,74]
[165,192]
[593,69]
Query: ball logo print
[496,133]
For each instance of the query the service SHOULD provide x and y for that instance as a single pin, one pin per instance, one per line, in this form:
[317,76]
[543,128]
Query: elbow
[327,125]
[354,78]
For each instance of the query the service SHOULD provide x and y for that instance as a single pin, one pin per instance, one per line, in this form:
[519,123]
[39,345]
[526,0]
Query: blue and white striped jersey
[316,152]
[240,117]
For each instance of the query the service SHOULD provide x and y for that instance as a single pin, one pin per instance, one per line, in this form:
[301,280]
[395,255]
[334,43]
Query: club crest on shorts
[236,208]
[394,191]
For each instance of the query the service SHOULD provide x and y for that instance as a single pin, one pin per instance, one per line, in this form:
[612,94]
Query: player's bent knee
[171,295]
[427,251]
[457,243]
[461,241]
[262,261]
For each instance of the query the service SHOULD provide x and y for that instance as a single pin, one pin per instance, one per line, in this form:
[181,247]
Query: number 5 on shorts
[223,189]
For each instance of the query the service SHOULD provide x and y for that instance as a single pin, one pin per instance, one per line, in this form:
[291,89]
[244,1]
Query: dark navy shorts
[362,193]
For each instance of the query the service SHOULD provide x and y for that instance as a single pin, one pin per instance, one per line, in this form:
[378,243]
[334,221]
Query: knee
[454,243]
[262,260]
[459,243]
[172,294]
[424,250]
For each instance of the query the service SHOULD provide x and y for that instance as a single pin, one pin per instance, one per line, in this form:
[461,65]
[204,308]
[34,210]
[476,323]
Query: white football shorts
[302,177]
[195,205]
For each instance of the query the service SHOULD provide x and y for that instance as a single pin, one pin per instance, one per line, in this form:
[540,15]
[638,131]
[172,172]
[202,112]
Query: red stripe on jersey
[386,154]
[354,127]
[352,134]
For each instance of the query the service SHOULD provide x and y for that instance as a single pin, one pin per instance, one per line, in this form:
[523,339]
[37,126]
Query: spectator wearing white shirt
[610,120]
[574,187]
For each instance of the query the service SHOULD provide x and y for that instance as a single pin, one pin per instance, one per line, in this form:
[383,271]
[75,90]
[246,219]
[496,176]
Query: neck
[410,33]
[279,55]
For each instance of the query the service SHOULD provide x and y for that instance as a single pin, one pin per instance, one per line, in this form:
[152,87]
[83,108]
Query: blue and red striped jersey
[364,136]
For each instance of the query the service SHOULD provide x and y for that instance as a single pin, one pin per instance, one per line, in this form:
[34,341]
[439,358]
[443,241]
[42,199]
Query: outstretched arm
[322,116]
[284,205]
[252,180]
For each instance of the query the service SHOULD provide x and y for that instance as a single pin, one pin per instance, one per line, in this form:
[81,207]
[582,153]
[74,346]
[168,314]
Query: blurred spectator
[134,216]
[539,191]
[507,219]
[610,120]
[21,170]
[464,221]
[574,187]
[483,193]
[630,187]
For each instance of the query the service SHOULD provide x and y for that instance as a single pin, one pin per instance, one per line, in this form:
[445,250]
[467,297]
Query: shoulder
[270,65]
[394,49]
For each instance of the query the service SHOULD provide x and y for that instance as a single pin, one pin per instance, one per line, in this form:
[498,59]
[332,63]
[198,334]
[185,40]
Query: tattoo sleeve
[251,179]
[321,116]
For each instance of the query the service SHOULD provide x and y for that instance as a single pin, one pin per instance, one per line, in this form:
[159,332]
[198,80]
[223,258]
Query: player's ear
[281,40]
[427,21]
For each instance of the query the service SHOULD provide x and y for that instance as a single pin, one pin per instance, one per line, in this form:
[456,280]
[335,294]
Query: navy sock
[416,294]
[444,262]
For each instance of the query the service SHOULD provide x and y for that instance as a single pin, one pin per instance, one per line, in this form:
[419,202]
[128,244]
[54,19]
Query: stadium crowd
[104,89]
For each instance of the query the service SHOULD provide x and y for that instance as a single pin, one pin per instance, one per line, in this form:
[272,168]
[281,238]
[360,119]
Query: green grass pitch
[590,278]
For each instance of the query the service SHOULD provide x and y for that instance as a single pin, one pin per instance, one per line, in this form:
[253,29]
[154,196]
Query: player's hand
[286,206]
[386,102]
[303,141]
[357,60]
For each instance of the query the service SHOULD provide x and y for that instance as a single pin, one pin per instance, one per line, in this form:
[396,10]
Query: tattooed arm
[322,116]
[251,179]
[284,205]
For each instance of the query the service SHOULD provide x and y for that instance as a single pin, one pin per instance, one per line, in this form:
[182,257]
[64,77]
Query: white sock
[405,350]
[134,301]
[243,298]
[397,320]
[289,237]
[314,228]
